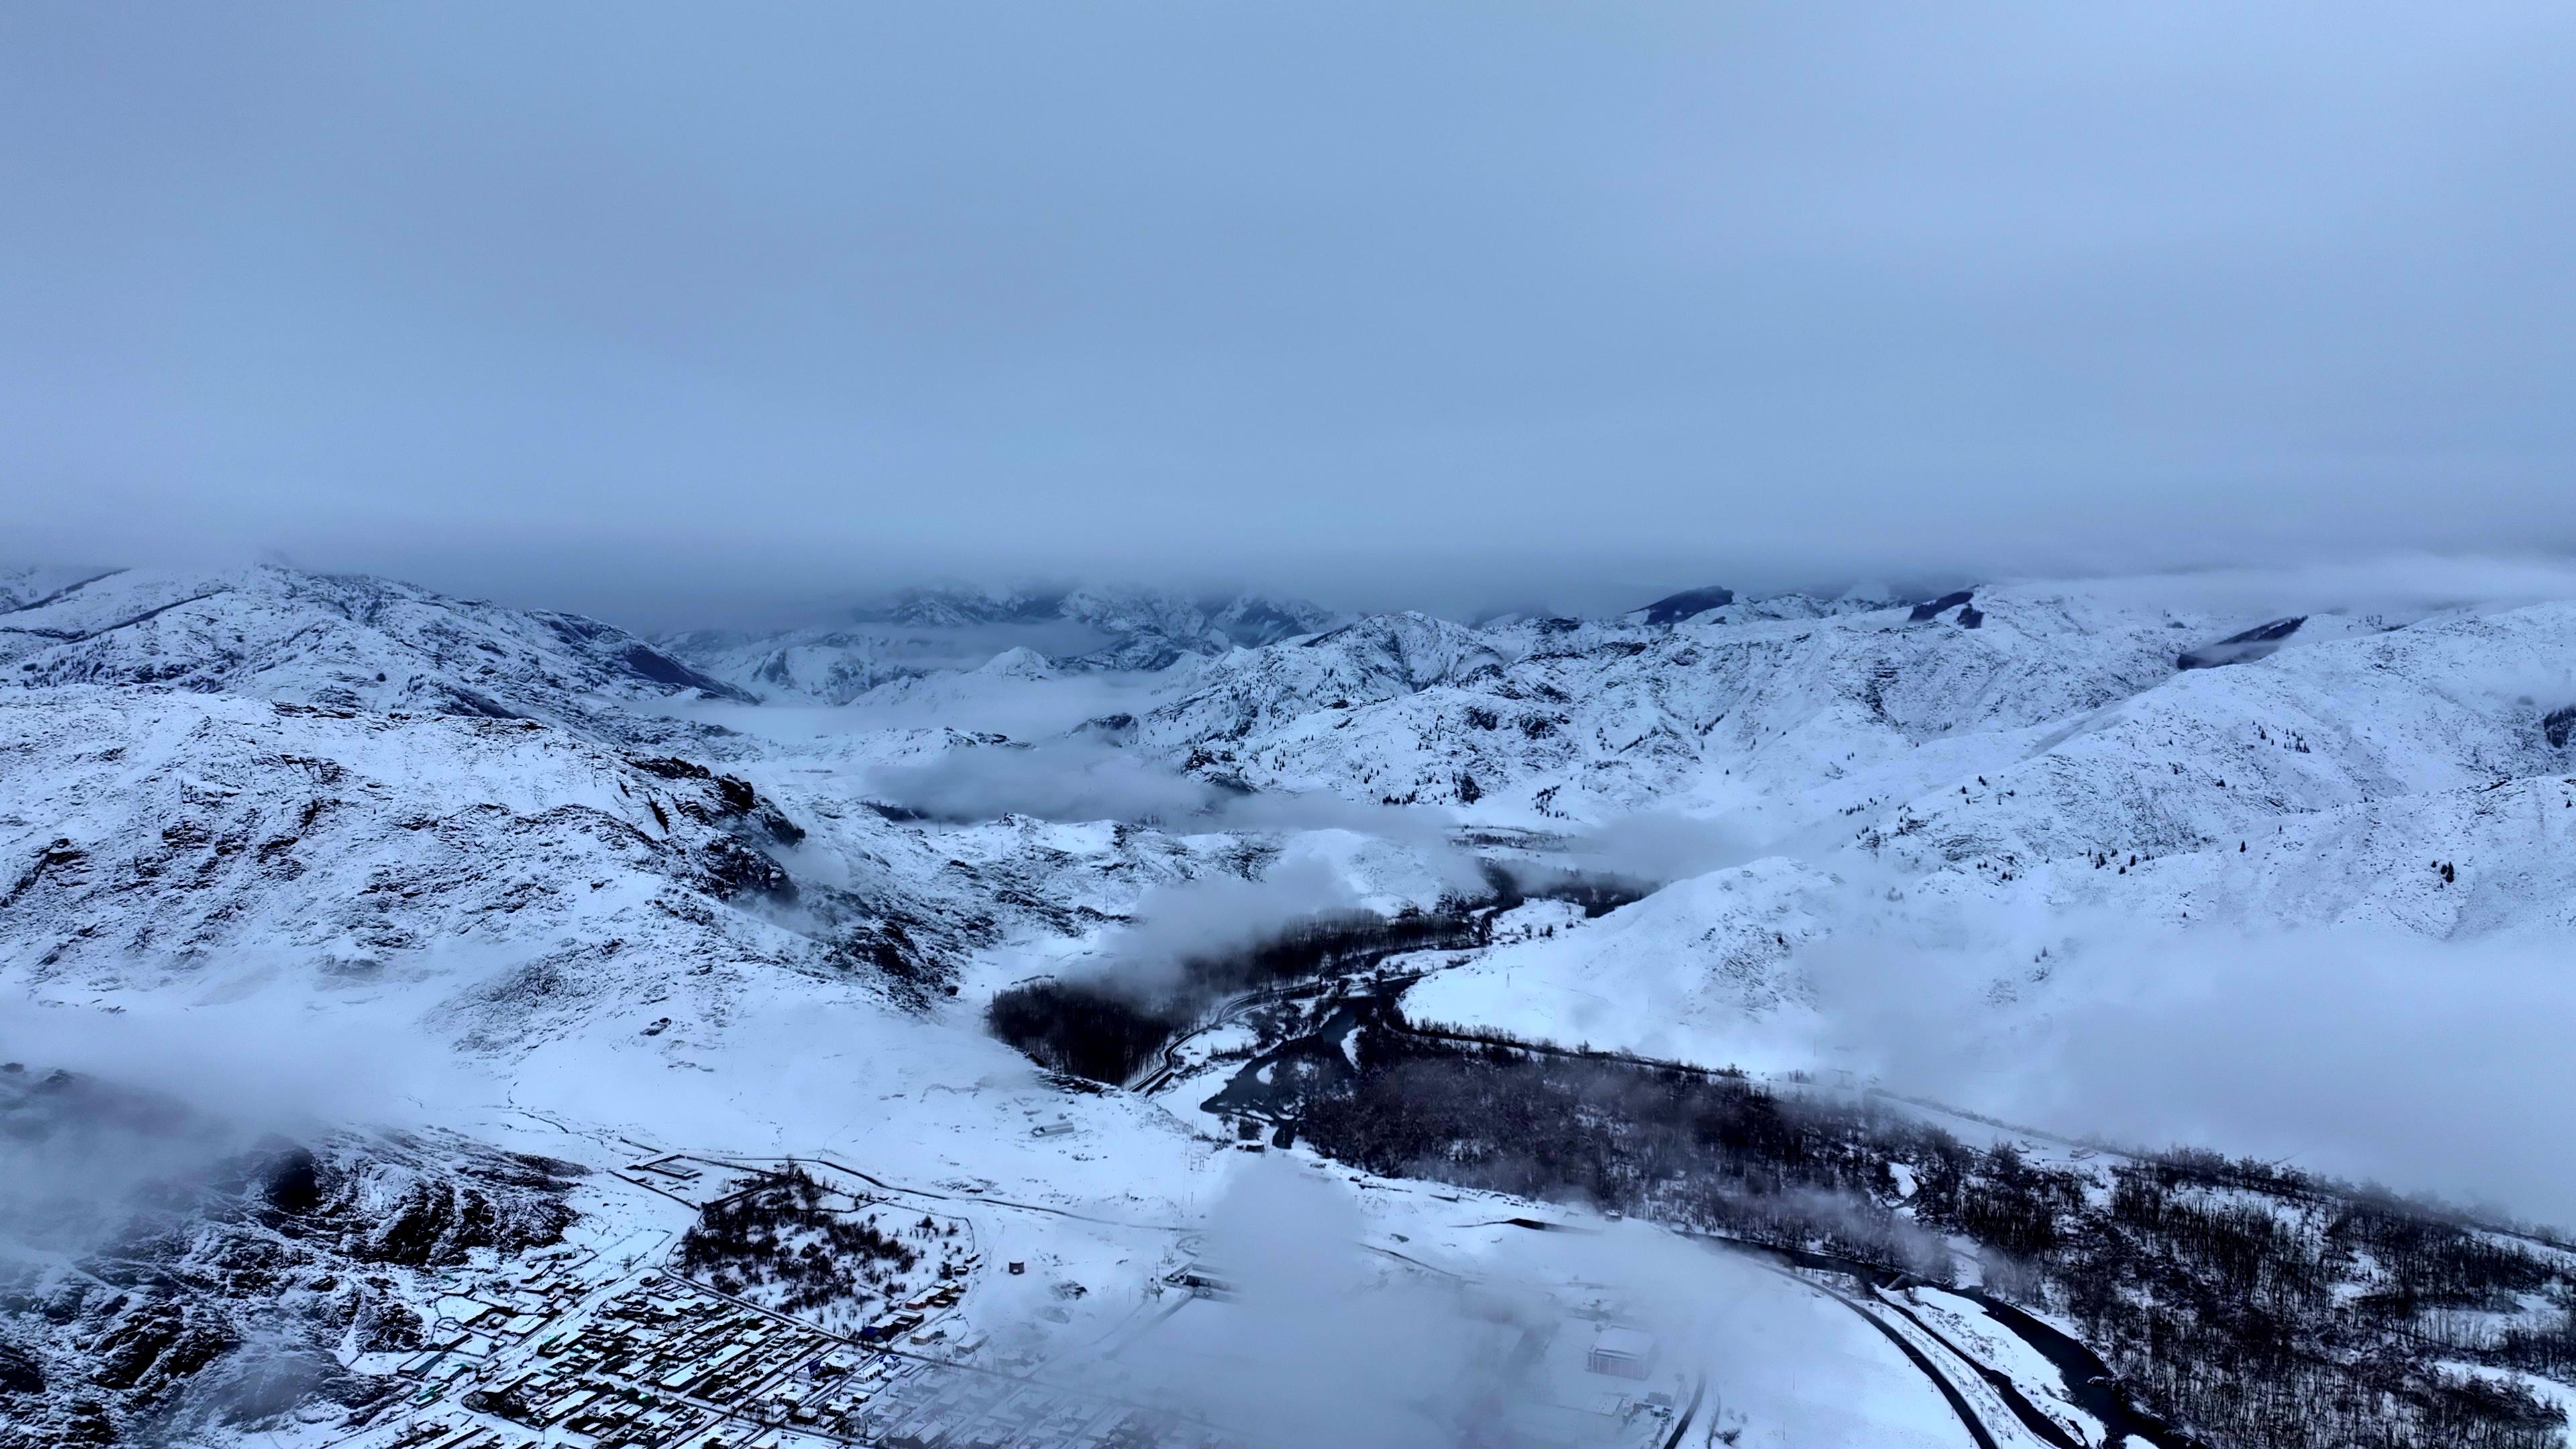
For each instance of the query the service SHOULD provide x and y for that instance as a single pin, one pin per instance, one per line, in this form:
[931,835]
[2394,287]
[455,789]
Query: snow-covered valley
[413,884]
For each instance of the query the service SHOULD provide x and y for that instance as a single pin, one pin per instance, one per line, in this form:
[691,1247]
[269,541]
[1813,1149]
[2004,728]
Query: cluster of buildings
[663,1364]
[582,1349]
[635,1371]
[658,1366]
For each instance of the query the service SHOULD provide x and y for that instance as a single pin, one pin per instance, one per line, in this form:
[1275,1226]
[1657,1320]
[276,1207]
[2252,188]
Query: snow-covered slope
[520,879]
[362,790]
[824,666]
[1154,628]
[2403,780]
[1564,721]
[24,587]
[2218,754]
[1719,605]
[1222,710]
[343,641]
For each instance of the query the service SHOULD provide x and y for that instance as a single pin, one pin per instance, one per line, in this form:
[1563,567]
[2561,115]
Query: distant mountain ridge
[1244,618]
[926,630]
[955,627]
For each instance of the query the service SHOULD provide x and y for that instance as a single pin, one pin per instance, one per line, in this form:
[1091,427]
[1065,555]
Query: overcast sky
[672,309]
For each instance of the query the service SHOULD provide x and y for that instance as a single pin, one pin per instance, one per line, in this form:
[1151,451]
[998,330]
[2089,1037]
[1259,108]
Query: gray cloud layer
[666,308]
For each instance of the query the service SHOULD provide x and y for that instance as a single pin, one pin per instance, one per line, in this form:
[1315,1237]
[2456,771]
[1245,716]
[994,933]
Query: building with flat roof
[1627,1353]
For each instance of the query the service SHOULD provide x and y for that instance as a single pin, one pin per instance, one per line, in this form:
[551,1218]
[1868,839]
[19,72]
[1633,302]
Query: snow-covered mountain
[931,630]
[363,771]
[646,894]
[2004,799]
[367,786]
[1717,604]
[1563,720]
[367,776]
[341,641]
[1190,623]
[521,877]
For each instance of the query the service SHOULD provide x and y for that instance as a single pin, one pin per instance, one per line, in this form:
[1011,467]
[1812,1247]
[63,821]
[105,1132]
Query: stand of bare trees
[780,1234]
[2260,1308]
[1106,1029]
